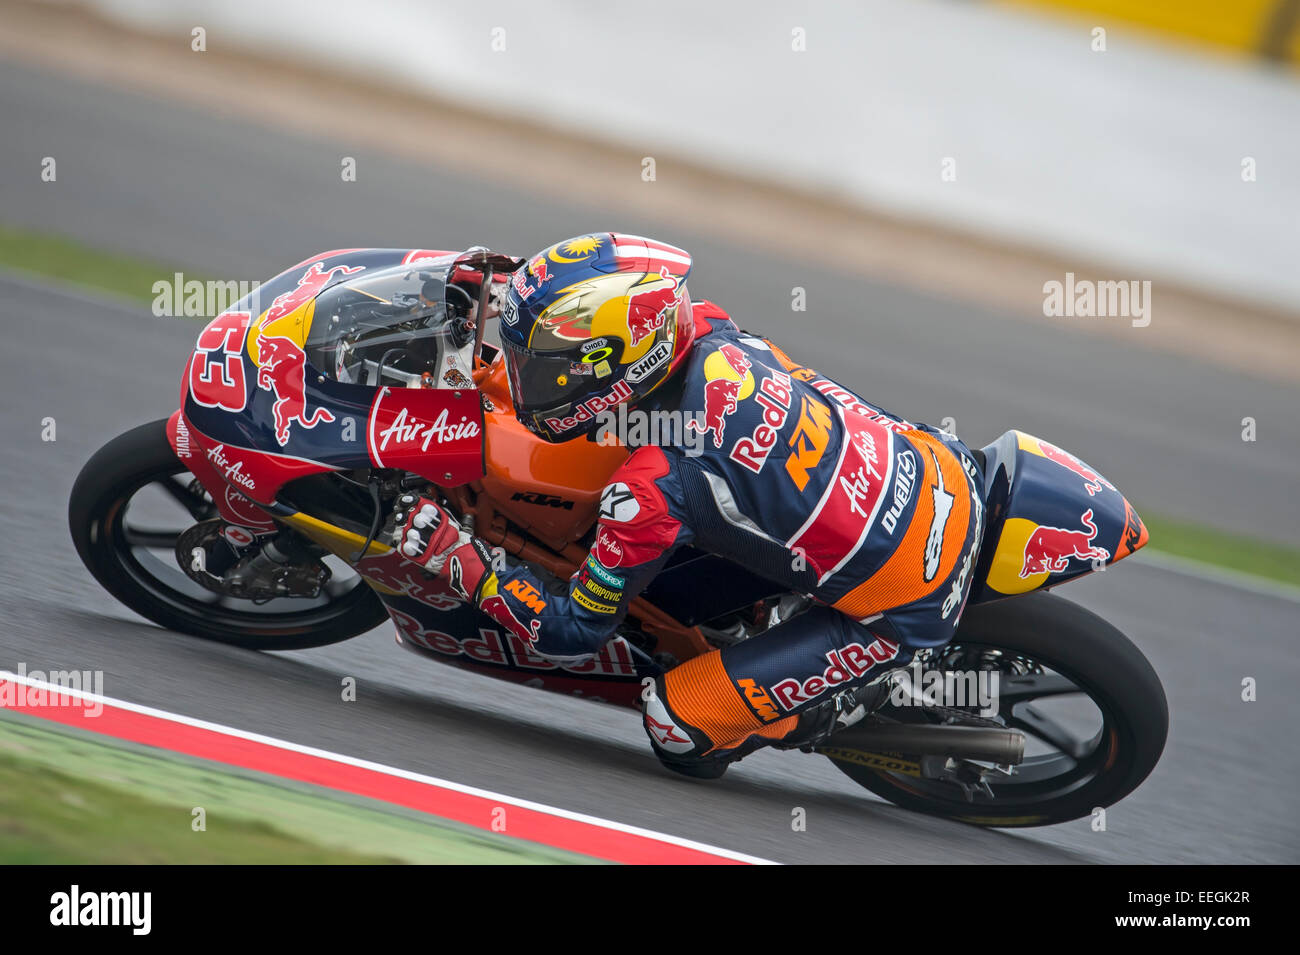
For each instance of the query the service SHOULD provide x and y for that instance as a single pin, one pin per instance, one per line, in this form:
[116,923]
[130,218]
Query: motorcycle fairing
[1052,518]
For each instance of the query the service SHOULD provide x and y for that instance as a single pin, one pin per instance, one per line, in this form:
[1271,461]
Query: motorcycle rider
[797,478]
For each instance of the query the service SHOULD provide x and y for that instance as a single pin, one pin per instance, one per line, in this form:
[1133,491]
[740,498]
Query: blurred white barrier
[1133,158]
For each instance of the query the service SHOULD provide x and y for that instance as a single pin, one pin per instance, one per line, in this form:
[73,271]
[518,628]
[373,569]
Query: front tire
[1072,645]
[125,559]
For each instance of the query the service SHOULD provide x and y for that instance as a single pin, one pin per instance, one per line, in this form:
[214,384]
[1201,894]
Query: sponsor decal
[773,395]
[239,536]
[943,502]
[526,594]
[309,286]
[406,429]
[618,504]
[607,549]
[885,761]
[838,525]
[956,599]
[851,402]
[759,701]
[592,605]
[491,646]
[905,480]
[851,663]
[601,574]
[665,733]
[1050,549]
[401,577]
[233,471]
[542,500]
[1092,481]
[509,312]
[281,370]
[536,269]
[652,360]
[238,506]
[182,432]
[621,392]
[808,443]
[649,302]
[599,591]
[595,345]
[728,382]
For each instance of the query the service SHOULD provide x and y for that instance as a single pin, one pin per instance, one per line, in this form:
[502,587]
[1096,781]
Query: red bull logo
[282,371]
[497,608]
[729,381]
[1093,481]
[313,280]
[1050,549]
[648,305]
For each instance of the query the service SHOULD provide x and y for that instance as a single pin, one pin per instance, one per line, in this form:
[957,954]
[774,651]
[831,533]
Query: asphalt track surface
[243,202]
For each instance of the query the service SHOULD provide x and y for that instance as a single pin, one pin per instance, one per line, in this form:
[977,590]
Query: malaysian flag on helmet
[636,253]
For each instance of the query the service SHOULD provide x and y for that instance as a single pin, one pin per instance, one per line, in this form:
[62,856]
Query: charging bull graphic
[283,371]
[647,307]
[1049,549]
[1093,481]
[309,286]
[722,395]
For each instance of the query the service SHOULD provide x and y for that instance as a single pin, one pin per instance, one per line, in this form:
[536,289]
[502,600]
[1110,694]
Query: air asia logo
[652,360]
[309,286]
[608,550]
[728,382]
[1093,481]
[408,429]
[282,370]
[621,392]
[943,502]
[233,470]
[649,303]
[851,663]
[618,504]
[1049,549]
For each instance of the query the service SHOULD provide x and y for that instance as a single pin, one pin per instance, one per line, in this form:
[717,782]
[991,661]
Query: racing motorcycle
[252,516]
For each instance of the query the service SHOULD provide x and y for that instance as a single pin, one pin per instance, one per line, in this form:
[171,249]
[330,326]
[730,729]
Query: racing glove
[426,534]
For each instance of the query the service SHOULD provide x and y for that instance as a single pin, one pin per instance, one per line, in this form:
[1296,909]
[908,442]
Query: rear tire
[96,517]
[1101,662]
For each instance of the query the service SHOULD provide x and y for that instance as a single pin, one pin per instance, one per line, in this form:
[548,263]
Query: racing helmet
[591,323]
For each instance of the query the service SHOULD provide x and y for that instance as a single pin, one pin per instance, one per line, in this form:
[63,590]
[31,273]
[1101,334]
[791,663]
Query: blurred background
[887,188]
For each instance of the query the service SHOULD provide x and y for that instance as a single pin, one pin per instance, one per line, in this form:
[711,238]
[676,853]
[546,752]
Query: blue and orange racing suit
[800,480]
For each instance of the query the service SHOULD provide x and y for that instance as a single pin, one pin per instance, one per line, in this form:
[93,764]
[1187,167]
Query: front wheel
[1091,707]
[130,504]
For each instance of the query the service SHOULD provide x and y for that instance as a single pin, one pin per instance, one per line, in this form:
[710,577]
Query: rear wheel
[1092,709]
[129,506]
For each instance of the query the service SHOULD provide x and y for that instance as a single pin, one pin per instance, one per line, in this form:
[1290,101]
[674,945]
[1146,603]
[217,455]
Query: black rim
[1072,760]
[146,554]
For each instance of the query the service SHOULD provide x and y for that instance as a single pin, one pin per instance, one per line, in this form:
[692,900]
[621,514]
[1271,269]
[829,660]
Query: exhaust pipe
[1003,746]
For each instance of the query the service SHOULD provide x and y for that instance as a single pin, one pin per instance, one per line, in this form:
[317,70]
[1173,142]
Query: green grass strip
[69,797]
[1245,555]
[65,260]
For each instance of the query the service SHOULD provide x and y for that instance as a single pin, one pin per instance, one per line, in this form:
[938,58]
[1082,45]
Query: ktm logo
[526,594]
[808,443]
[542,500]
[758,700]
